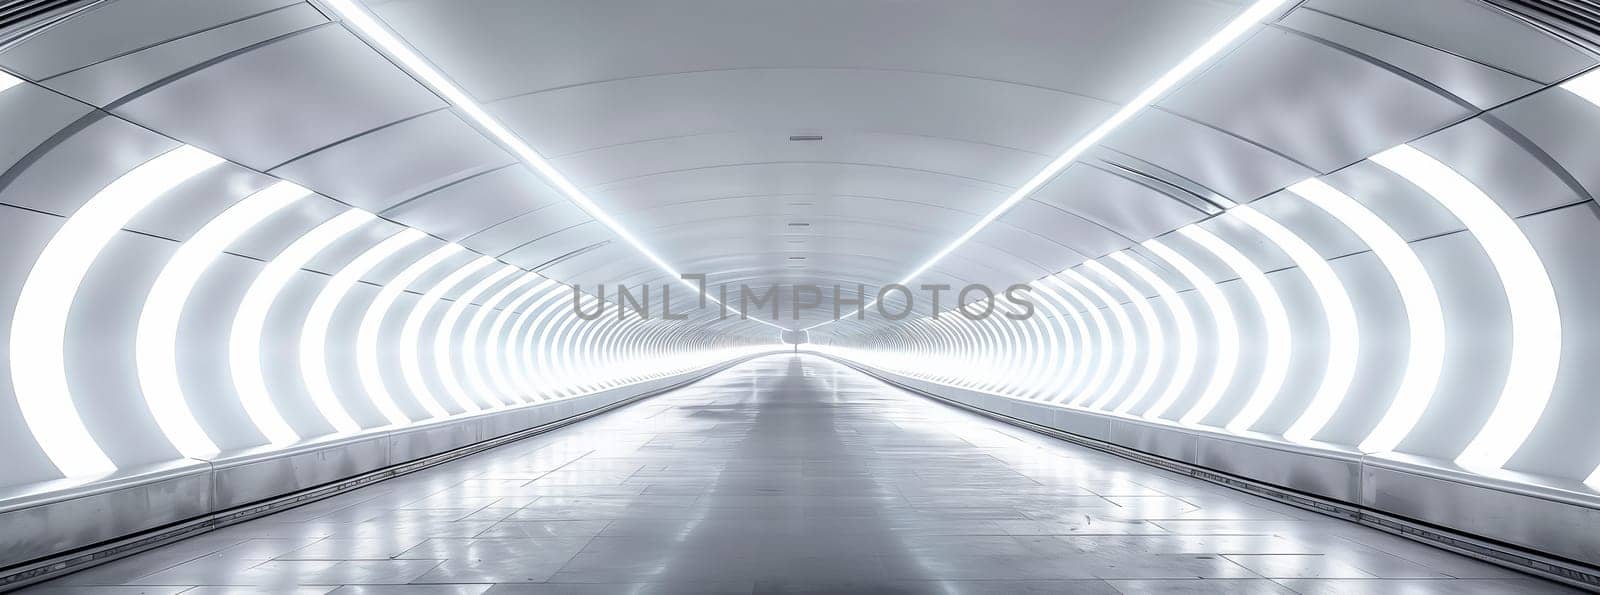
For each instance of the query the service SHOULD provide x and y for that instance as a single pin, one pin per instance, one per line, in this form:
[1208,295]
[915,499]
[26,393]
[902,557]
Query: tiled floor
[791,474]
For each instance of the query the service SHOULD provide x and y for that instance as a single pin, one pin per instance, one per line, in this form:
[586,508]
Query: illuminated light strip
[1037,352]
[496,342]
[7,81]
[1535,315]
[578,349]
[1157,346]
[1227,328]
[445,332]
[1079,360]
[1188,345]
[1586,86]
[1199,57]
[314,333]
[1034,352]
[1099,330]
[533,380]
[1344,338]
[1100,393]
[156,341]
[369,28]
[411,333]
[475,344]
[992,358]
[1277,344]
[244,341]
[1095,360]
[367,367]
[1058,359]
[552,358]
[39,324]
[1424,317]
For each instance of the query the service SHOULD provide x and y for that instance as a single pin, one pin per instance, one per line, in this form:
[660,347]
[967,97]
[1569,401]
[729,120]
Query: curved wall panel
[262,321]
[1330,319]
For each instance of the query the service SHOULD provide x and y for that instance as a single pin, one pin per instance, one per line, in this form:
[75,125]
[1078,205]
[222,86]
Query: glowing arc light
[1535,314]
[39,323]
[156,340]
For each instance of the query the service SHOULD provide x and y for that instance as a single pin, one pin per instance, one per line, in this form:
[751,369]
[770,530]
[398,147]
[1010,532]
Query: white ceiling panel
[105,82]
[1321,107]
[509,234]
[800,101]
[111,29]
[1116,203]
[1482,85]
[1226,164]
[282,100]
[477,203]
[1049,43]
[394,163]
[1466,28]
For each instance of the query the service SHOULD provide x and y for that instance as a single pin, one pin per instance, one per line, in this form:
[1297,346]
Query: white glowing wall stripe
[314,333]
[1188,344]
[7,81]
[156,341]
[1061,360]
[1586,86]
[1275,347]
[244,340]
[1425,320]
[1103,354]
[1535,315]
[485,378]
[39,324]
[1227,334]
[1077,345]
[518,357]
[1154,353]
[444,335]
[1344,340]
[367,366]
[1124,338]
[411,333]
[502,337]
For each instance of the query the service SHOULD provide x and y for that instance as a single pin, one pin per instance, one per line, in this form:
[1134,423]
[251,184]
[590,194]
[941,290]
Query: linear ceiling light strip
[156,341]
[39,323]
[368,27]
[1218,42]
[1535,315]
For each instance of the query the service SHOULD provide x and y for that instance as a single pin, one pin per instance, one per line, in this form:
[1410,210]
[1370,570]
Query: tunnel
[837,296]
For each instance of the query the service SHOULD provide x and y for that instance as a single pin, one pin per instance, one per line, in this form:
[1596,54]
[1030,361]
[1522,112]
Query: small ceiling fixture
[805,137]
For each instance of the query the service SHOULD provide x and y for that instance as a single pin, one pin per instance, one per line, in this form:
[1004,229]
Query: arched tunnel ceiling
[677,122]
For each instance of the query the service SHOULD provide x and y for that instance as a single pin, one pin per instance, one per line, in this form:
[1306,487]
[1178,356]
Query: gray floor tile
[795,475]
